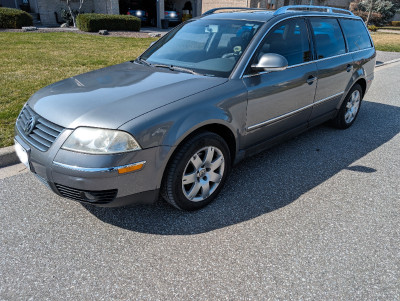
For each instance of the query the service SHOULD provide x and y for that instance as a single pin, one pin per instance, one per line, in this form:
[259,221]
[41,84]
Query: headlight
[100,141]
[139,13]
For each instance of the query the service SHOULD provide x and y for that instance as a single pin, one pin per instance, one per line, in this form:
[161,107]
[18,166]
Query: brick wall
[209,4]
[48,7]
[106,7]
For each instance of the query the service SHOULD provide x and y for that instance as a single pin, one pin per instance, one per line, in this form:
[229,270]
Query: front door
[282,100]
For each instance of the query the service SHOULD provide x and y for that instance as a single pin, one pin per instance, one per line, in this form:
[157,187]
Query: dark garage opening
[156,8]
[148,5]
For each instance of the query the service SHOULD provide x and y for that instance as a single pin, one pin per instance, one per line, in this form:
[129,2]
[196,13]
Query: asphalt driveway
[317,217]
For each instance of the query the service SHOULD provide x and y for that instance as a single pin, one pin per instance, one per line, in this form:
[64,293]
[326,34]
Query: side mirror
[152,43]
[271,62]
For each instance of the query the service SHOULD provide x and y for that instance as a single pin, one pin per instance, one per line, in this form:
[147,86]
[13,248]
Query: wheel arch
[361,81]
[216,127]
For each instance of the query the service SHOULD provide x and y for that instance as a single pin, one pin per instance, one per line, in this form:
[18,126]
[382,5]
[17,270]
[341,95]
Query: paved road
[317,217]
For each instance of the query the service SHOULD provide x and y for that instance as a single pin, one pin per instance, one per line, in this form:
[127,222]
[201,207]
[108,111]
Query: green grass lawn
[386,41]
[30,61]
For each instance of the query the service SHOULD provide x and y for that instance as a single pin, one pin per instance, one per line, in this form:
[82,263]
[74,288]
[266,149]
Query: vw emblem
[30,125]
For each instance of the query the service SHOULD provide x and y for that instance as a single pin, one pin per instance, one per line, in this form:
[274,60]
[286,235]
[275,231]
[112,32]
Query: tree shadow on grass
[270,180]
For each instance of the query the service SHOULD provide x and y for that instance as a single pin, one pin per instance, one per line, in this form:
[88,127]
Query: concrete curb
[8,156]
[387,63]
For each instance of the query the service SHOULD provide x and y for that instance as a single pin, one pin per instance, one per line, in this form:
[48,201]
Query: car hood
[111,96]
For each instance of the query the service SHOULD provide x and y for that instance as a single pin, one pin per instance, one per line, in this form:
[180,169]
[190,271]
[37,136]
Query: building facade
[48,9]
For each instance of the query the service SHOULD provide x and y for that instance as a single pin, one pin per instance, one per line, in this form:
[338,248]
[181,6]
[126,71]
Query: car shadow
[270,180]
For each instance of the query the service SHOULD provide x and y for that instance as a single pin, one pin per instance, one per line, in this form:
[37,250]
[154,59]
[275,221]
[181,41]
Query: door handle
[349,68]
[311,79]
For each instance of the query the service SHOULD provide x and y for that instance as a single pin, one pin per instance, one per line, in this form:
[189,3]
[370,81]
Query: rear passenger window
[289,39]
[356,34]
[328,36]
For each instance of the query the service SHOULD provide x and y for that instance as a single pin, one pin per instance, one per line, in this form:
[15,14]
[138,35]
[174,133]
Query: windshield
[209,47]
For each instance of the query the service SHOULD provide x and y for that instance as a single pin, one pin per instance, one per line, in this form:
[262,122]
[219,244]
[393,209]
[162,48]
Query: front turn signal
[131,167]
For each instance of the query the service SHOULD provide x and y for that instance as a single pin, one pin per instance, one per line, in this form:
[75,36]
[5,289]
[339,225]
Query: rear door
[280,101]
[360,45]
[334,64]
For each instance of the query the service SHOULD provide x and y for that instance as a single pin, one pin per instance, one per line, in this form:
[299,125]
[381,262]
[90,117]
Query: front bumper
[95,179]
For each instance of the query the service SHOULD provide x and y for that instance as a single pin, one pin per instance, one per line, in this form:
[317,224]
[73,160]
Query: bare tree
[75,13]
[370,11]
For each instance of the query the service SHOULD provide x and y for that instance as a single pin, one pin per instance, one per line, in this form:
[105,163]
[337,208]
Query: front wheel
[349,110]
[197,172]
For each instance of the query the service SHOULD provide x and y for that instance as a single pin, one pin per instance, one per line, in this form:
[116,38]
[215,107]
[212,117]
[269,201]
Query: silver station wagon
[214,90]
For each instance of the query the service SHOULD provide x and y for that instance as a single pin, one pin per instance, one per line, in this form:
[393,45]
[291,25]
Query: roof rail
[211,11]
[332,10]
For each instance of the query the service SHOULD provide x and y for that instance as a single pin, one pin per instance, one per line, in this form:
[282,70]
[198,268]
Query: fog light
[88,196]
[131,167]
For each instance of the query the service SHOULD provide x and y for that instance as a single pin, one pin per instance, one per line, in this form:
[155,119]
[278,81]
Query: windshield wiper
[176,68]
[185,70]
[170,67]
[142,61]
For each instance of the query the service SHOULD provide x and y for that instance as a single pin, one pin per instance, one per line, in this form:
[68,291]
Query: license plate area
[22,153]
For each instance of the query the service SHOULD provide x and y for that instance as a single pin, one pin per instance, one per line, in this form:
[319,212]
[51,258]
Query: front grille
[43,134]
[87,196]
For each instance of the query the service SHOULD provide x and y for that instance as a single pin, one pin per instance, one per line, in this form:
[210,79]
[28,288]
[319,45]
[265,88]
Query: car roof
[265,15]
[250,15]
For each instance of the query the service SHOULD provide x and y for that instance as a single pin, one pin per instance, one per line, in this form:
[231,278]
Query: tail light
[128,13]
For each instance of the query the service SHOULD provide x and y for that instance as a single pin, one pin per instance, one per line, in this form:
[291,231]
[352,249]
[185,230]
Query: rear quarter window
[356,34]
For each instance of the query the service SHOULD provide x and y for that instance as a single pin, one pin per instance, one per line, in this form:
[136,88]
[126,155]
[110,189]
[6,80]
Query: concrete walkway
[388,31]
[155,30]
[149,30]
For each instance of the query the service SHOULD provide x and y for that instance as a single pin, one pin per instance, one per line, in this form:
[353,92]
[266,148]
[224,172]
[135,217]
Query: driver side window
[289,39]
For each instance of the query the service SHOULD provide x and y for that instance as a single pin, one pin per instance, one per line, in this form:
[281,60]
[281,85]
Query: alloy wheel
[352,106]
[203,173]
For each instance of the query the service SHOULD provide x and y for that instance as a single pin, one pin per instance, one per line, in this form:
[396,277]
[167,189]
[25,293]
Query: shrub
[395,23]
[372,28]
[96,22]
[14,18]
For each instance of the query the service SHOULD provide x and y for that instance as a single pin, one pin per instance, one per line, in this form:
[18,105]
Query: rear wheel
[197,172]
[349,110]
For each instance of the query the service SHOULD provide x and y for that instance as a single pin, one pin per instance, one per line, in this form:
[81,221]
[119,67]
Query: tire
[349,109]
[197,172]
